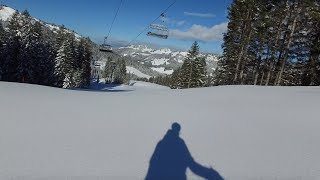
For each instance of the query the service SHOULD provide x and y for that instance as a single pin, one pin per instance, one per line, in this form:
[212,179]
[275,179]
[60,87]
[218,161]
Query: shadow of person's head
[175,128]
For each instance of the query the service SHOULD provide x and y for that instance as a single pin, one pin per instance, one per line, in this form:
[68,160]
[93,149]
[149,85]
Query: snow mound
[6,13]
[243,132]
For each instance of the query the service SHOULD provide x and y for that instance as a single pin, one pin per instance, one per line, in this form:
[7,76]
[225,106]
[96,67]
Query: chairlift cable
[114,18]
[107,47]
[161,15]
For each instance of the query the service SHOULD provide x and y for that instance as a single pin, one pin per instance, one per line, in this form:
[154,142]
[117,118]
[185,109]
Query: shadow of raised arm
[207,173]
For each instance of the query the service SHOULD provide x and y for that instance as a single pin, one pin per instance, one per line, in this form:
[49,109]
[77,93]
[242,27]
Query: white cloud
[201,33]
[203,15]
[173,22]
[180,23]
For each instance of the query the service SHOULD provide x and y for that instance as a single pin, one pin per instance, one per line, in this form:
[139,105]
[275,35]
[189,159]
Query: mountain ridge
[162,60]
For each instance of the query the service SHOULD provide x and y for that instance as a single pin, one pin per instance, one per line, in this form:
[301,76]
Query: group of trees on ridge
[32,53]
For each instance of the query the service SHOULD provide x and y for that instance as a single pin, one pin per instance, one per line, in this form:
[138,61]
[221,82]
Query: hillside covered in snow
[162,60]
[110,132]
[7,12]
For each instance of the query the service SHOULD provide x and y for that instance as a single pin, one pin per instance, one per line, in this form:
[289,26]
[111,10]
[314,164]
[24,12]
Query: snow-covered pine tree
[268,42]
[60,37]
[187,68]
[13,49]
[222,74]
[64,63]
[3,44]
[42,55]
[77,62]
[200,72]
[193,70]
[109,70]
[120,72]
[175,79]
[311,72]
[85,66]
[25,66]
[82,61]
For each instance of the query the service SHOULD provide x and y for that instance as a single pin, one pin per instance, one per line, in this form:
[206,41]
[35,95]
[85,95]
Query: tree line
[32,53]
[271,42]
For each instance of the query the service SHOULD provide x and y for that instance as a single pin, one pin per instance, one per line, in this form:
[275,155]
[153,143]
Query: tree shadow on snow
[171,159]
[100,87]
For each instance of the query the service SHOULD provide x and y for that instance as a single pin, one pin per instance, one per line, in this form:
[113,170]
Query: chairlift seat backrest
[162,36]
[158,27]
[105,48]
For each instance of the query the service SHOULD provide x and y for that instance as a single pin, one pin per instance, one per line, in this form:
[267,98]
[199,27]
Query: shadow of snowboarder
[172,157]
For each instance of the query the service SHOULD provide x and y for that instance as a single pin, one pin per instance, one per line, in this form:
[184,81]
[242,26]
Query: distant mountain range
[149,61]
[162,60]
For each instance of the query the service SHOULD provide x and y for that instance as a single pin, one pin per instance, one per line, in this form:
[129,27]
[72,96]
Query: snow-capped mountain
[6,13]
[162,60]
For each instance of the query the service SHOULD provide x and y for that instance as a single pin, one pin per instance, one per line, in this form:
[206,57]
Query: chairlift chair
[105,47]
[159,31]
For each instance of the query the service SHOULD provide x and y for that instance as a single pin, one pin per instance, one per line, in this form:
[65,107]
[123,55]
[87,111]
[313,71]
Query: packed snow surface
[110,132]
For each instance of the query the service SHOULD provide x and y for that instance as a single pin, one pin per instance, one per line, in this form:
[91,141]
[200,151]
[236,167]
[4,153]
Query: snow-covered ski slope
[110,132]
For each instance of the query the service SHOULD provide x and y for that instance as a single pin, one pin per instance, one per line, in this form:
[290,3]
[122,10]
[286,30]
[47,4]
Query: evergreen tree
[270,42]
[311,72]
[120,72]
[193,71]
[28,37]
[40,55]
[13,48]
[200,72]
[3,44]
[65,63]
[85,66]
[109,70]
[175,79]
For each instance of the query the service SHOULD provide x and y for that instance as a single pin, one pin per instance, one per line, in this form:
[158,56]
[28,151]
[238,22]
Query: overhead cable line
[144,30]
[114,18]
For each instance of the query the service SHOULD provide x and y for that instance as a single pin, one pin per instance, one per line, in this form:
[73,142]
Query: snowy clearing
[162,70]
[243,132]
[132,70]
[158,62]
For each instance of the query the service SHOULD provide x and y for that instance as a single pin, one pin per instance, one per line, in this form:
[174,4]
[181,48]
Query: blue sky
[188,20]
